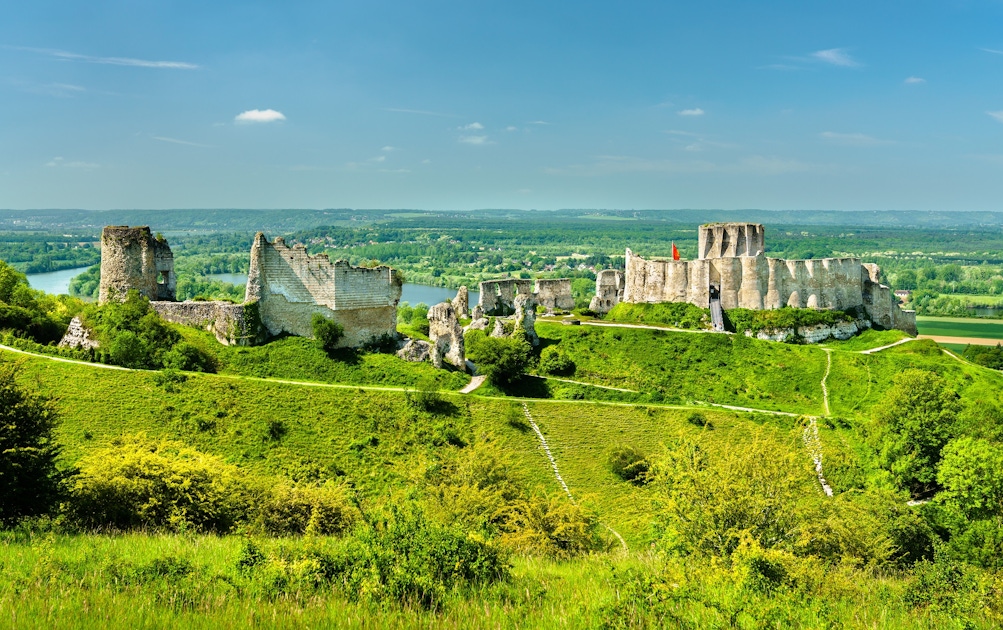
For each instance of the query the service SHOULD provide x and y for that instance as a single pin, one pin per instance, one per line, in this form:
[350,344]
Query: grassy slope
[730,369]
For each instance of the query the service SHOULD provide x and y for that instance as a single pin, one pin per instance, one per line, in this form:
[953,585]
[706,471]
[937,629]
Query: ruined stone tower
[728,240]
[131,258]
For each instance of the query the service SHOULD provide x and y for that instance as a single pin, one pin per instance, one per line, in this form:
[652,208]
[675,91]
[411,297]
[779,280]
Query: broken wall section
[132,259]
[290,286]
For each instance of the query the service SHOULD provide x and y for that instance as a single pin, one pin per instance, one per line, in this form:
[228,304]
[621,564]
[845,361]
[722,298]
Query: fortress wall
[131,258]
[728,273]
[500,295]
[609,290]
[728,240]
[290,286]
[555,294]
[232,324]
[755,282]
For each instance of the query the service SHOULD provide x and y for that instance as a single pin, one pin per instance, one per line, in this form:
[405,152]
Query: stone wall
[232,324]
[725,240]
[555,294]
[498,296]
[751,280]
[609,290]
[290,286]
[131,258]
[447,336]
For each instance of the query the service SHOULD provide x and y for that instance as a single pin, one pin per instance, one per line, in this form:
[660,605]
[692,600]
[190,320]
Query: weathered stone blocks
[131,258]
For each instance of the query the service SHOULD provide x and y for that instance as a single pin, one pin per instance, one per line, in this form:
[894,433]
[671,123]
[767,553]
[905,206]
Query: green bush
[554,361]
[320,510]
[30,483]
[160,485]
[673,314]
[744,319]
[552,526]
[328,333]
[502,359]
[629,464]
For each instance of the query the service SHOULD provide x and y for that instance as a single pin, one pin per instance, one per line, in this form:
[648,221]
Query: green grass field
[960,327]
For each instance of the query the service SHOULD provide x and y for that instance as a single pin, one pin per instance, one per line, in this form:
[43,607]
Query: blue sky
[458,105]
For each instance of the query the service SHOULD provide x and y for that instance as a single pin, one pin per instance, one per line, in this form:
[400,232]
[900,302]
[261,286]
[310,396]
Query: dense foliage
[989,356]
[328,333]
[30,313]
[743,319]
[672,314]
[502,359]
[30,482]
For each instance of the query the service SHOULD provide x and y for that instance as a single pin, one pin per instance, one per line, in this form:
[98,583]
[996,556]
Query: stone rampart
[132,259]
[290,286]
[498,296]
[232,324]
[555,294]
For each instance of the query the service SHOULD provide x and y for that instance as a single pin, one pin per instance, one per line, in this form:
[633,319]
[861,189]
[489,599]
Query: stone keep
[497,297]
[289,286]
[131,258]
[732,259]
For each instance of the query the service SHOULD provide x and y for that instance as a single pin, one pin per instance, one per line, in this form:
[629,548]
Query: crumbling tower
[730,240]
[131,258]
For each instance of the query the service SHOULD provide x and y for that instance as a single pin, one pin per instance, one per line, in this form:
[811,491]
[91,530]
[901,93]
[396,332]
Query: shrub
[554,361]
[697,419]
[674,314]
[320,510]
[550,525]
[502,359]
[629,464]
[30,483]
[328,333]
[137,483]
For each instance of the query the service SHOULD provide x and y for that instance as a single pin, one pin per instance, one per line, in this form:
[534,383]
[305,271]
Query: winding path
[557,472]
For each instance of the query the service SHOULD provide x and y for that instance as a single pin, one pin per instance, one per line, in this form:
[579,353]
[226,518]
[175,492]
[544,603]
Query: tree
[906,279]
[30,483]
[327,332]
[502,359]
[911,426]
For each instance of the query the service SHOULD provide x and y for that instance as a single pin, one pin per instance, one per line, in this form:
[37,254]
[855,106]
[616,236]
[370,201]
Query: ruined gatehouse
[732,267]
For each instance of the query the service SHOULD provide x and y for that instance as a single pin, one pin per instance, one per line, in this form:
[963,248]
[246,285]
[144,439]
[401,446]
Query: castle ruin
[733,267]
[286,286]
[498,297]
[131,258]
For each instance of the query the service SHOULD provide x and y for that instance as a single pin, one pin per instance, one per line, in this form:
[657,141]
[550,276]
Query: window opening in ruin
[161,278]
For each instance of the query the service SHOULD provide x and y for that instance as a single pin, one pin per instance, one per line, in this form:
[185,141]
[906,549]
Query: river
[57,282]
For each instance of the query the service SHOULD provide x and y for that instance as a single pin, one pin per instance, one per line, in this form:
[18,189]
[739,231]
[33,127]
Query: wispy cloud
[59,90]
[538,122]
[58,162]
[835,57]
[677,132]
[259,116]
[914,81]
[111,61]
[617,164]
[477,140]
[389,149]
[184,142]
[511,128]
[992,50]
[997,115]
[474,126]
[422,112]
[853,139]
[696,111]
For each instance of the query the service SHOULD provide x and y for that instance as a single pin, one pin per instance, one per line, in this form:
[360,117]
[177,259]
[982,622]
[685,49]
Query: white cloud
[538,122]
[184,142]
[992,50]
[474,140]
[836,57]
[914,81]
[112,61]
[853,139]
[696,111]
[474,126]
[378,159]
[389,149]
[997,115]
[61,163]
[259,116]
[511,128]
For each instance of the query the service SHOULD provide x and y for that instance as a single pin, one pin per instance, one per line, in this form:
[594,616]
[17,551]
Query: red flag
[675,252]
